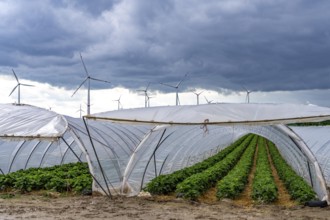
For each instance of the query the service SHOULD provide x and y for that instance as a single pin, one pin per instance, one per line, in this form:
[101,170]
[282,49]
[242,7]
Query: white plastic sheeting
[318,140]
[29,121]
[220,114]
[41,151]
[148,142]
[183,135]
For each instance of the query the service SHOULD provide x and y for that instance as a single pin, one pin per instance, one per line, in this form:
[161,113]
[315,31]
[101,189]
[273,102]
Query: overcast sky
[280,49]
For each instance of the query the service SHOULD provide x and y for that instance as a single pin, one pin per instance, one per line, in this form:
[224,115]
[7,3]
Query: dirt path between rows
[284,197]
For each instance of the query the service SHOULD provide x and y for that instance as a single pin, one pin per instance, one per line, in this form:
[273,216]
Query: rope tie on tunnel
[204,126]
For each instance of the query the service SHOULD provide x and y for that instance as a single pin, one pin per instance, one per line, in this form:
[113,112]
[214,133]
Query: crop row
[234,183]
[298,189]
[264,189]
[197,184]
[69,177]
[165,184]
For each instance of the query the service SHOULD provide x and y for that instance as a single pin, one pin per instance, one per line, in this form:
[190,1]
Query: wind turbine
[247,98]
[119,103]
[146,98]
[197,94]
[208,102]
[88,79]
[18,86]
[177,101]
[80,111]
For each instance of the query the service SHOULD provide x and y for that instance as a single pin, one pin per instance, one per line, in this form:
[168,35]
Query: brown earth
[147,208]
[56,206]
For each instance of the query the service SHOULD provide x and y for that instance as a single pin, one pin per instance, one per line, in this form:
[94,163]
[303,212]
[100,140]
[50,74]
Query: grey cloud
[263,45]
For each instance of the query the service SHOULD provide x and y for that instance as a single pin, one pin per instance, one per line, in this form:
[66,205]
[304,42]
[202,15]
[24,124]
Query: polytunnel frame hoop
[161,168]
[310,156]
[97,158]
[66,151]
[31,153]
[69,147]
[308,164]
[85,152]
[18,148]
[153,155]
[44,153]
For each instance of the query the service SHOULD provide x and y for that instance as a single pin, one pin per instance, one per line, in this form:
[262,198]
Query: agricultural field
[247,180]
[69,178]
[251,169]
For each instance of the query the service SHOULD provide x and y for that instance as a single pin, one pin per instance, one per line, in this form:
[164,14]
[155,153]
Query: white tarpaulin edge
[247,113]
[24,121]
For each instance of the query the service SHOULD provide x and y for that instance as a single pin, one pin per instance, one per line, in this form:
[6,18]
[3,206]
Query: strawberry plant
[165,184]
[264,189]
[234,183]
[298,189]
[197,184]
[69,177]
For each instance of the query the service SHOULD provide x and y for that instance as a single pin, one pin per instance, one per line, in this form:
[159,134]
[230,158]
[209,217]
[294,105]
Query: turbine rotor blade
[13,89]
[84,65]
[15,75]
[168,85]
[182,80]
[177,86]
[26,84]
[80,86]
[245,89]
[147,86]
[100,80]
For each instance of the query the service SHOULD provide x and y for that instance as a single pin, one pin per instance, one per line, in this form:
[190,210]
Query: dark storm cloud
[262,45]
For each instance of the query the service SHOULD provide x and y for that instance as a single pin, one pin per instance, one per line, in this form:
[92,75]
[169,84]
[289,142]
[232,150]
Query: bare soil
[147,208]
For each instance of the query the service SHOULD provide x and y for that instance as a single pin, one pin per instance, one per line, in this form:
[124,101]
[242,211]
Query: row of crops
[229,172]
[73,177]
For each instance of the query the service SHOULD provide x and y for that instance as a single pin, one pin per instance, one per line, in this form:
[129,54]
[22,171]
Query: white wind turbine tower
[247,98]
[197,94]
[146,97]
[18,86]
[119,103]
[177,101]
[88,79]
